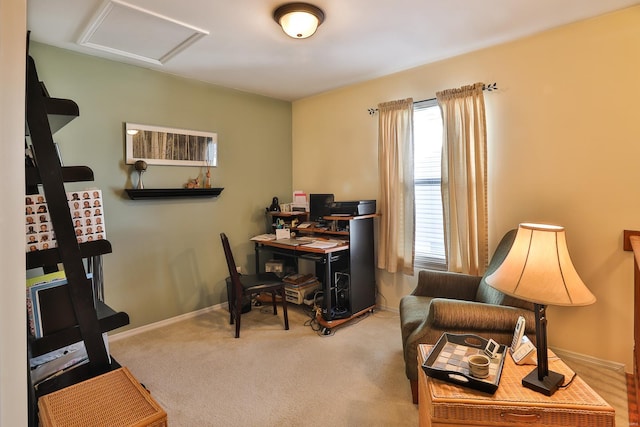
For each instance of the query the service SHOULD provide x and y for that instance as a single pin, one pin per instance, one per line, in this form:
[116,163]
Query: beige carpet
[608,383]
[202,376]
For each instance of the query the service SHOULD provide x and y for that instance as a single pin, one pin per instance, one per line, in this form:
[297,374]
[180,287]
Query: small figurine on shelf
[207,182]
[141,167]
[210,160]
[194,183]
[275,206]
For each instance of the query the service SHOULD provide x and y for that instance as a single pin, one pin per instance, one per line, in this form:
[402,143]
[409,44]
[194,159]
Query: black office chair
[243,286]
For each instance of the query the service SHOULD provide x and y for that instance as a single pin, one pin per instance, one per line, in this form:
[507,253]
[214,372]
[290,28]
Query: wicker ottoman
[445,404]
[112,399]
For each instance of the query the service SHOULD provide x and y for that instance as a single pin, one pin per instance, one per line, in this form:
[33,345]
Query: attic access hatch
[123,29]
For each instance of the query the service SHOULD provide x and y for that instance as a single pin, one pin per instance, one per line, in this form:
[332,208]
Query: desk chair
[247,285]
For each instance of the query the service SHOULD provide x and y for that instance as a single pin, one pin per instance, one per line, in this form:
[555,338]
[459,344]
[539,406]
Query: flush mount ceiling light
[298,20]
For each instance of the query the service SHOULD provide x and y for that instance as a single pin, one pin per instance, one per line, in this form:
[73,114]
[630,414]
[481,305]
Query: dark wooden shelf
[172,193]
[59,112]
[75,315]
[108,320]
[69,174]
[52,256]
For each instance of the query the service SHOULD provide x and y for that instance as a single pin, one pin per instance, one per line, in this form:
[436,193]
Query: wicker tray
[447,361]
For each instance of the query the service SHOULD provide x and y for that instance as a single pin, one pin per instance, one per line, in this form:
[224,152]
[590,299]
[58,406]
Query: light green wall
[562,148]
[167,258]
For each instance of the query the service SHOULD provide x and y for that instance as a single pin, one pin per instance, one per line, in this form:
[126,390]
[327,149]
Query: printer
[353,208]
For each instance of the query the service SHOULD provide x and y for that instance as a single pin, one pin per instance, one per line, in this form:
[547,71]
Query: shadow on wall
[189,286]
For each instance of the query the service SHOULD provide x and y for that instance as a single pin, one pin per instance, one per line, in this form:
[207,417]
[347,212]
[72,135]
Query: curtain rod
[490,87]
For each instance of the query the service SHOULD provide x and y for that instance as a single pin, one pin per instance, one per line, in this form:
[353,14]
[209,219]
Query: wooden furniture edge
[330,324]
[631,242]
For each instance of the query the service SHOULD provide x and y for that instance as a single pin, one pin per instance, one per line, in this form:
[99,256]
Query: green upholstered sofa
[459,304]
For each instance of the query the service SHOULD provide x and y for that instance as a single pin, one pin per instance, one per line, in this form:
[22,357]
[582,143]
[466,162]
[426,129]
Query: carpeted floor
[202,376]
[608,383]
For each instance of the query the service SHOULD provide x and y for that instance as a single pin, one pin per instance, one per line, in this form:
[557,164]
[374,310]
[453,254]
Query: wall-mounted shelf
[171,193]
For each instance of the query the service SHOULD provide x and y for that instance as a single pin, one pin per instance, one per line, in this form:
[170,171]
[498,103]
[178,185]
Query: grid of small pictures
[87,215]
[38,224]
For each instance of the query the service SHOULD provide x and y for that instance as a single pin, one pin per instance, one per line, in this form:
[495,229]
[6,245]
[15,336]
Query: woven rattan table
[109,400]
[444,404]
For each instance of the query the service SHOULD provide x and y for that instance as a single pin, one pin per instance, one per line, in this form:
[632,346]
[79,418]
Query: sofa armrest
[444,284]
[464,315]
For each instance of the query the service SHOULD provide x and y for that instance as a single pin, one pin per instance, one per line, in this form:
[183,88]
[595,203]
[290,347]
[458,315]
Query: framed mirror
[158,145]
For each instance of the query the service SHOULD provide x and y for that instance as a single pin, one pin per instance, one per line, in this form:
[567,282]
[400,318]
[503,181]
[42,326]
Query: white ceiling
[359,39]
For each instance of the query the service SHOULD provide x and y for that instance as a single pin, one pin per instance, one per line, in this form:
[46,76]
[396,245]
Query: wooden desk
[353,262]
[444,404]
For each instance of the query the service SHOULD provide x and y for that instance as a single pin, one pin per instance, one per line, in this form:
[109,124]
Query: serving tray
[448,361]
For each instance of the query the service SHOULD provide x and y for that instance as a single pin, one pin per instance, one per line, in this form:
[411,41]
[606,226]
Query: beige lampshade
[299,20]
[538,269]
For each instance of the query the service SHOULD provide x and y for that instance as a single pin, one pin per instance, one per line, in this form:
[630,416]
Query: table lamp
[538,269]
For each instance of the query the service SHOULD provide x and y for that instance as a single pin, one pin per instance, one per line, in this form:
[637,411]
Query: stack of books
[298,285]
[44,296]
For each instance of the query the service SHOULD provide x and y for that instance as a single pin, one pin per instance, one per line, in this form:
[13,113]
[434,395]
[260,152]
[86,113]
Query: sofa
[460,304]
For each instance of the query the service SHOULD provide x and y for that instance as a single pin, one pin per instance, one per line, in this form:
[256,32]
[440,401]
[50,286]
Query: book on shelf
[298,279]
[310,284]
[39,280]
[49,307]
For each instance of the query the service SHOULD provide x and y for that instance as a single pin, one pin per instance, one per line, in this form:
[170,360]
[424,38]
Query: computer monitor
[319,206]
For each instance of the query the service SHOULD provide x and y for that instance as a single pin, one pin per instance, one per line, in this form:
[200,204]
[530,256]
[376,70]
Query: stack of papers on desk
[293,242]
[263,237]
[322,244]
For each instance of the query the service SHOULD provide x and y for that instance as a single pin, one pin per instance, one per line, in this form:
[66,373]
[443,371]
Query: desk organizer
[112,399]
[447,361]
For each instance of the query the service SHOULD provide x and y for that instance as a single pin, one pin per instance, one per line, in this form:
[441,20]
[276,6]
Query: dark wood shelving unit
[53,256]
[172,193]
[69,174]
[91,317]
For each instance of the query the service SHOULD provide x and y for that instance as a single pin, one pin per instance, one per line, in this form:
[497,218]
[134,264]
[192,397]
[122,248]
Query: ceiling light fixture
[298,20]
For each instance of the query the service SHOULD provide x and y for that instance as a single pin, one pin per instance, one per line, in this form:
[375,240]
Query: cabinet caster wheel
[326,331]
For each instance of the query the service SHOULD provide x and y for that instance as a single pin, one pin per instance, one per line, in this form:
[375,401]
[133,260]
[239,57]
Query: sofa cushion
[413,311]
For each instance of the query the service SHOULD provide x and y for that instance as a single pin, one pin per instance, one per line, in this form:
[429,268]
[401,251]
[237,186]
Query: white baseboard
[395,310]
[165,322]
[566,354]
[563,354]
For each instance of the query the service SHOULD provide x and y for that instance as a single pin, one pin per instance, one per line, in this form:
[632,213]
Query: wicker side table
[112,399]
[444,404]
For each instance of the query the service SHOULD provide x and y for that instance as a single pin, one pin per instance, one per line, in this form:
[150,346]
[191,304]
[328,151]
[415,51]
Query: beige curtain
[464,178]
[396,198]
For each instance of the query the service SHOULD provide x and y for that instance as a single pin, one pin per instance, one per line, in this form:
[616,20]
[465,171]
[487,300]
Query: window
[427,128]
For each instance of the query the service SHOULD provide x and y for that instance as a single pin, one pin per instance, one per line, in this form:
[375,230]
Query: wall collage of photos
[87,214]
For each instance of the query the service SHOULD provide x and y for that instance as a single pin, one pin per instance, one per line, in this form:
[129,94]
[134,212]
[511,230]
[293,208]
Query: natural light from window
[427,128]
